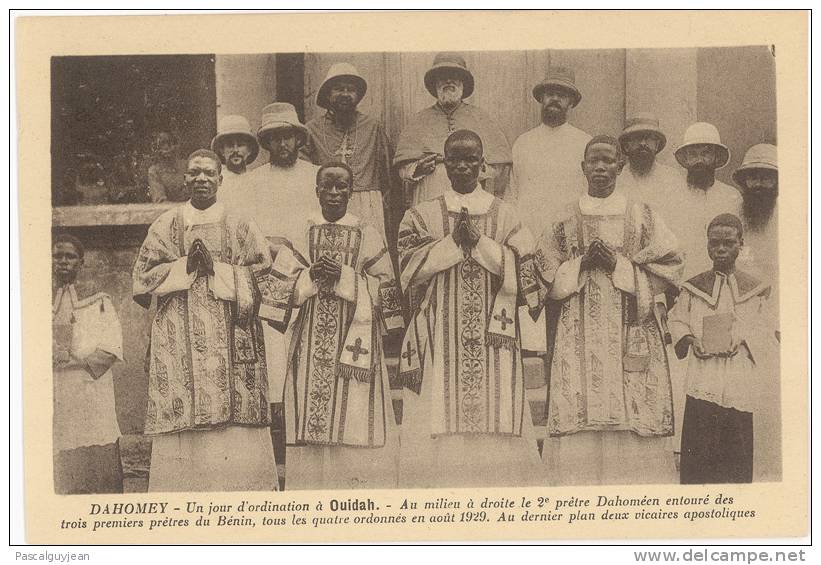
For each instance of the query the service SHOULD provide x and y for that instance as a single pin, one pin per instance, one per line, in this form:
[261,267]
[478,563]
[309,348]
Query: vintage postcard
[452,276]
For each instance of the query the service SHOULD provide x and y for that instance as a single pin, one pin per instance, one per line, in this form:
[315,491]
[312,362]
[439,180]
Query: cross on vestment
[357,349]
[409,352]
[343,151]
[503,319]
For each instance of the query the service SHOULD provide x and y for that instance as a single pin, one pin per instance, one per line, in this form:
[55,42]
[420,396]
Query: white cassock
[547,177]
[278,199]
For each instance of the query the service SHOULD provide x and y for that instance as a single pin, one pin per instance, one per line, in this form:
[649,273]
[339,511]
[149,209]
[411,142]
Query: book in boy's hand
[717,333]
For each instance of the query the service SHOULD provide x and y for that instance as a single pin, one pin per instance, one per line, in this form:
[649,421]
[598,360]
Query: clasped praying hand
[325,269]
[465,234]
[599,255]
[199,259]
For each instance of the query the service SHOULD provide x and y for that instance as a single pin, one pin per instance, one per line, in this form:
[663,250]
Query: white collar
[613,205]
[349,219]
[477,202]
[193,216]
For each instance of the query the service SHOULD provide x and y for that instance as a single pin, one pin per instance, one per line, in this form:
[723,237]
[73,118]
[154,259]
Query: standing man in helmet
[344,134]
[237,148]
[420,151]
[703,197]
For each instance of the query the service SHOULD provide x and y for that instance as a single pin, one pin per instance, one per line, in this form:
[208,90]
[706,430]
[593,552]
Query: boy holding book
[720,320]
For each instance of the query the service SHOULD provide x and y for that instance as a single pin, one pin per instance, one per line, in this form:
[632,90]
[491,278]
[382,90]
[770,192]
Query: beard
[284,159]
[235,167]
[758,209]
[553,116]
[641,161]
[449,97]
[701,176]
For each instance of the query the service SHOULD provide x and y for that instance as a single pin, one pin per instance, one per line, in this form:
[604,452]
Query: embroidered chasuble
[460,357]
[336,389]
[364,147]
[608,366]
[207,361]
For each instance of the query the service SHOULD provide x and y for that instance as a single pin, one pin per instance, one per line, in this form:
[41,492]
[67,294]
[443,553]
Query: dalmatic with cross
[336,390]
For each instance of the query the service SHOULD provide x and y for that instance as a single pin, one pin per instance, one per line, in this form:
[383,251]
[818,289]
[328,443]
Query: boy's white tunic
[469,423]
[339,422]
[277,199]
[84,409]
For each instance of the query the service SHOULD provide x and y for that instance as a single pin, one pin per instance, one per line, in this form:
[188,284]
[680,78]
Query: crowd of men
[277,286]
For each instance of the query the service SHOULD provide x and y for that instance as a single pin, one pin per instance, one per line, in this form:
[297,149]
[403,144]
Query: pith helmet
[449,63]
[702,133]
[562,77]
[336,72]
[280,115]
[761,156]
[235,125]
[643,122]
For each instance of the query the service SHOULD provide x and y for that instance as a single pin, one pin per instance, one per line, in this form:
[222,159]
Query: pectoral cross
[357,349]
[344,152]
[503,319]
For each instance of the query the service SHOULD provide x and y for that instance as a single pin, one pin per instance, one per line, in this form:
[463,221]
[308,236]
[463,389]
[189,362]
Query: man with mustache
[702,197]
[340,427]
[207,269]
[237,148]
[277,196]
[546,176]
[420,150]
[644,178]
[610,396]
[343,133]
[466,421]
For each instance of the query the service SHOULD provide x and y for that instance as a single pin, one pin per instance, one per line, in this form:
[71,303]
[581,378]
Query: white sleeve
[221,282]
[623,275]
[568,279]
[177,278]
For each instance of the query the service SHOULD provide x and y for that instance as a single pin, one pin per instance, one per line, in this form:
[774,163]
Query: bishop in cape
[207,387]
[466,421]
[340,427]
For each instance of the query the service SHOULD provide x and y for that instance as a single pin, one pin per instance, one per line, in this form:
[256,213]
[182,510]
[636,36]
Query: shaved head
[463,136]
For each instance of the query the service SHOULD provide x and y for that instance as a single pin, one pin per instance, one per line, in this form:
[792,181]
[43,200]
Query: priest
[207,384]
[339,422]
[466,421]
[610,397]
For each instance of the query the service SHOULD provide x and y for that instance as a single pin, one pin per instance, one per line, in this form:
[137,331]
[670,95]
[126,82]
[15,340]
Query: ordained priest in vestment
[419,151]
[466,421]
[207,386]
[339,421]
[610,399]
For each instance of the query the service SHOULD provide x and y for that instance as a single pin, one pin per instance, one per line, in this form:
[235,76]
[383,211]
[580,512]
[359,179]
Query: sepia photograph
[359,270]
